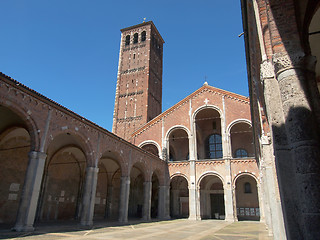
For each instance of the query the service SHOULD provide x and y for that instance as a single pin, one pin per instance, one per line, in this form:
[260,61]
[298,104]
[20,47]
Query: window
[241,153]
[214,146]
[127,40]
[135,38]
[247,188]
[143,36]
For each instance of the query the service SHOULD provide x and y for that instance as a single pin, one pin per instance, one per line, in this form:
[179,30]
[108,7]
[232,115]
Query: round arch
[179,175]
[146,142]
[234,122]
[29,122]
[206,107]
[244,174]
[209,173]
[157,172]
[176,127]
[79,138]
[117,157]
[177,143]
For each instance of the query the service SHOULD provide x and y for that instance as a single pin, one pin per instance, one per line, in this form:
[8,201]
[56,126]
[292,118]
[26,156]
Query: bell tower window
[135,38]
[127,40]
[143,36]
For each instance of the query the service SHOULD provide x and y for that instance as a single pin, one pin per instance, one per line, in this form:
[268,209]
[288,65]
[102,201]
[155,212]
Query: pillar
[164,203]
[192,192]
[109,201]
[30,194]
[175,203]
[147,188]
[226,146]
[89,195]
[228,193]
[124,199]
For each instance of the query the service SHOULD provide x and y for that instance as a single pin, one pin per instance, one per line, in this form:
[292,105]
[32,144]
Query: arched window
[127,40]
[247,188]
[143,36]
[135,38]
[214,146]
[241,153]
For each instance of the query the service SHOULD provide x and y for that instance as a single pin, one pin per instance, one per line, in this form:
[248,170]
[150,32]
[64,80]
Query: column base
[164,218]
[23,228]
[86,223]
[230,219]
[193,218]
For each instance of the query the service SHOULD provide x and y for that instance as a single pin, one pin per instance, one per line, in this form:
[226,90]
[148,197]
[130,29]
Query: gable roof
[205,87]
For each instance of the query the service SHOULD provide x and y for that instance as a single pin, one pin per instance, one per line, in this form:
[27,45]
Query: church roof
[203,88]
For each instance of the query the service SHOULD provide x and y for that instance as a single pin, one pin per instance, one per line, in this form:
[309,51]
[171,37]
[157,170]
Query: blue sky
[68,50]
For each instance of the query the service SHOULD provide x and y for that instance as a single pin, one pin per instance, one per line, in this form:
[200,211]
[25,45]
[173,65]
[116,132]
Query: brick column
[89,195]
[30,194]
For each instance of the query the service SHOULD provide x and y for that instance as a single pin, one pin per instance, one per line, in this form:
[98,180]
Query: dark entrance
[217,206]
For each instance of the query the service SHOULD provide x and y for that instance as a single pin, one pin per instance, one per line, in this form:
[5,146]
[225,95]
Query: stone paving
[169,230]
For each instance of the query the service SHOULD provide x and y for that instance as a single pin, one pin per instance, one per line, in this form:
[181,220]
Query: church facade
[195,160]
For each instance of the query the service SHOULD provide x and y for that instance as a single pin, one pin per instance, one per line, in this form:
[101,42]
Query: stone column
[224,135]
[164,203]
[89,195]
[146,214]
[124,199]
[175,203]
[30,193]
[228,193]
[198,210]
[109,201]
[192,192]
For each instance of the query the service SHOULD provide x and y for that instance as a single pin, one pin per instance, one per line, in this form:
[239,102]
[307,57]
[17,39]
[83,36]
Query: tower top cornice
[141,25]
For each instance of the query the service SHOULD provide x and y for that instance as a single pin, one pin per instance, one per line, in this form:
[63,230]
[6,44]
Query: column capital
[283,62]
[37,155]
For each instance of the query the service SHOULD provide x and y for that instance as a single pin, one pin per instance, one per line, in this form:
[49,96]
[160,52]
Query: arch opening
[63,180]
[108,187]
[179,197]
[208,134]
[151,148]
[15,144]
[136,196]
[247,200]
[178,145]
[212,198]
[241,136]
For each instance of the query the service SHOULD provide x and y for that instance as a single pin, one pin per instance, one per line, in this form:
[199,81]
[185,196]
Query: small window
[241,153]
[135,38]
[143,36]
[247,188]
[127,40]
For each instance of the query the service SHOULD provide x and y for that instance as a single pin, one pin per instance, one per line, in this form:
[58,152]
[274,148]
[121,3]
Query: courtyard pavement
[168,230]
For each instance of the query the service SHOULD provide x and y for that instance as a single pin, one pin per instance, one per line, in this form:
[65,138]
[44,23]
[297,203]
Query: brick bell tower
[139,81]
